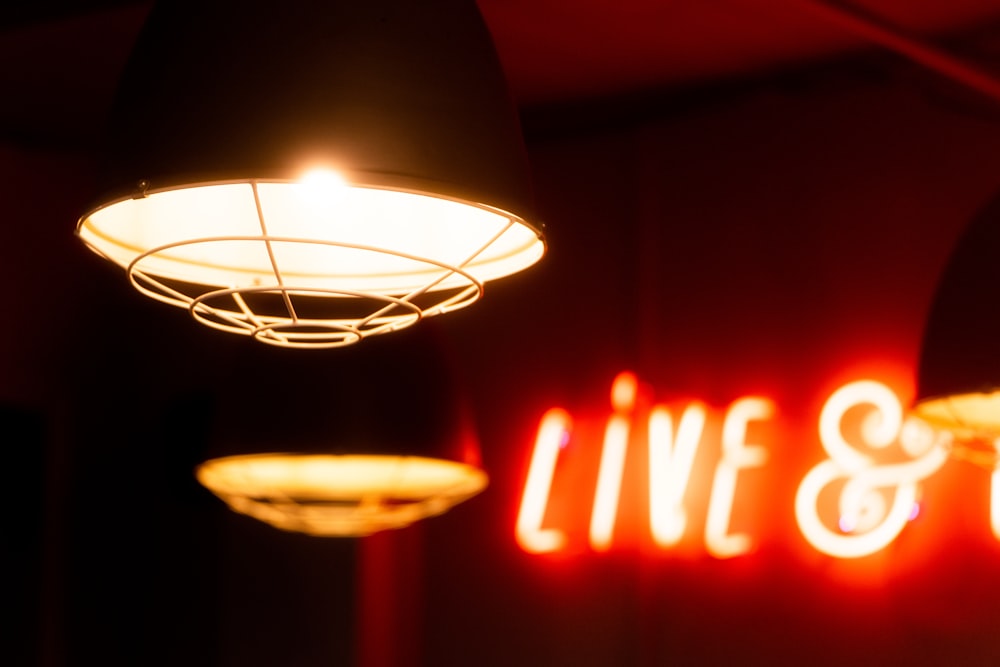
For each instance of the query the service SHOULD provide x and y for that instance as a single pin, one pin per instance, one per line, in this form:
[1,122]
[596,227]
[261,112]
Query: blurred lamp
[339,495]
[311,173]
[958,383]
[366,441]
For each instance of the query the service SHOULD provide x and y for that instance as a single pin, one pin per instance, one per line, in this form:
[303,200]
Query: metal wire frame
[370,514]
[291,330]
[227,309]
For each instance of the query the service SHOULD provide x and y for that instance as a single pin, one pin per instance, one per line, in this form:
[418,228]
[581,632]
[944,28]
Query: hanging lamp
[958,380]
[369,440]
[311,173]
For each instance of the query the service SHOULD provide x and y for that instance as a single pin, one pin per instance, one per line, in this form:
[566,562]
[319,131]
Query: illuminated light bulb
[324,191]
[323,181]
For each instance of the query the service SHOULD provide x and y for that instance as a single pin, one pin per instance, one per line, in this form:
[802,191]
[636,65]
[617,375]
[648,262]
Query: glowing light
[879,430]
[172,225]
[917,437]
[322,191]
[609,477]
[348,495]
[870,521]
[736,455]
[602,521]
[553,432]
[966,415]
[874,498]
[323,180]
[670,461]
[314,263]
[624,391]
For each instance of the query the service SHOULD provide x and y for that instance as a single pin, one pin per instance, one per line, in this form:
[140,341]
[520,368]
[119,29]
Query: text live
[873,496]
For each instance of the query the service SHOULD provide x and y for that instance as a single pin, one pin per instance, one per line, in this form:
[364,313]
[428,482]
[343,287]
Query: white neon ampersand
[867,523]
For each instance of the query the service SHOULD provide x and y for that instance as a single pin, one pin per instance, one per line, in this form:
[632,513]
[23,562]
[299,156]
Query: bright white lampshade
[310,263]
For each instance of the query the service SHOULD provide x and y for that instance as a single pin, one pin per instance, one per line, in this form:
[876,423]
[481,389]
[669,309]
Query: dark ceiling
[62,57]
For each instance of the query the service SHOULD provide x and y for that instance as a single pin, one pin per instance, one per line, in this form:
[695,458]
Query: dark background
[774,234]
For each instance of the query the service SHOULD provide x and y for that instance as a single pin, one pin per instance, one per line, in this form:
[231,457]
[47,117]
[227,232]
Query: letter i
[609,477]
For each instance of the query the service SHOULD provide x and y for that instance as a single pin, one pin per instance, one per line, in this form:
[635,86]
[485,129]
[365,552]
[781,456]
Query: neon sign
[875,460]
[866,523]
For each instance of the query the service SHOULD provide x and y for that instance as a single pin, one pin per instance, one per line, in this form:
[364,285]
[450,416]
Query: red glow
[623,392]
[853,503]
[609,477]
[736,455]
[552,434]
[671,464]
[671,457]
[876,497]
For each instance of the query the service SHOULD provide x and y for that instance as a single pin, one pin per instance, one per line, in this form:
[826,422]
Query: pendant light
[368,440]
[311,173]
[958,383]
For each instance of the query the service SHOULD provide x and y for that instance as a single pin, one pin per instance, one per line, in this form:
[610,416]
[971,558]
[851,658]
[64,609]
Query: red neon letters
[876,499]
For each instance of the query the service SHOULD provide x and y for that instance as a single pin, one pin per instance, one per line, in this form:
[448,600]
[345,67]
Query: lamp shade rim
[236,252]
[340,495]
[522,215]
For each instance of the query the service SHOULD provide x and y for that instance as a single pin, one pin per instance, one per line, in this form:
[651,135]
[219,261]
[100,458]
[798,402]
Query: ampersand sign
[876,499]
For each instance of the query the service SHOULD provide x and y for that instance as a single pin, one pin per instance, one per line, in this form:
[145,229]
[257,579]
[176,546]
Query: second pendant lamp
[311,173]
[958,383]
[372,439]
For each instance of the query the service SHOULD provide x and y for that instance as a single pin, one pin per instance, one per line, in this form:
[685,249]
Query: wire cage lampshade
[958,383]
[313,173]
[376,439]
